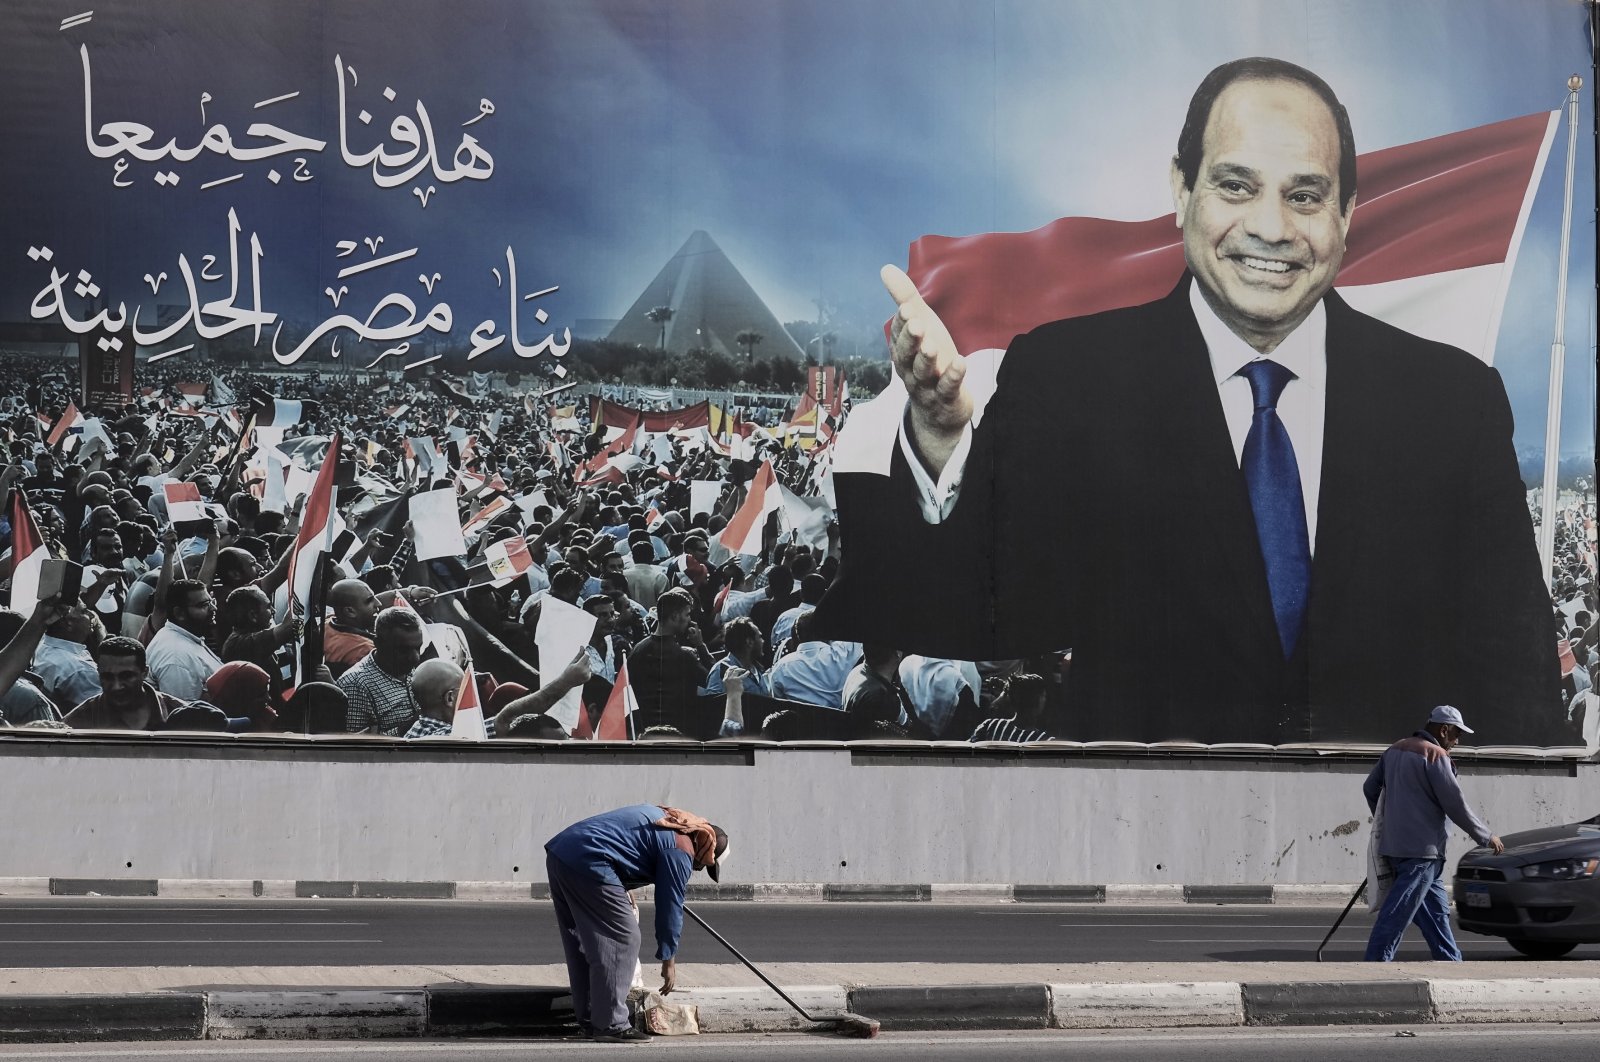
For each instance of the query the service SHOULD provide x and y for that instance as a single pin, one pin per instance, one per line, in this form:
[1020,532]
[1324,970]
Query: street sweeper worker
[592,865]
[1411,792]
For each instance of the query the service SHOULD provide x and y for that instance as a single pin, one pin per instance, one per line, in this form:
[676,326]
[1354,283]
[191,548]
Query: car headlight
[1562,870]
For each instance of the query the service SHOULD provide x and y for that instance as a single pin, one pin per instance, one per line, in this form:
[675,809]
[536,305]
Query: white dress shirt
[1302,407]
[180,662]
[67,671]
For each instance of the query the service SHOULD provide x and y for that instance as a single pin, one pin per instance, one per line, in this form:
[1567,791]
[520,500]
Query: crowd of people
[174,623]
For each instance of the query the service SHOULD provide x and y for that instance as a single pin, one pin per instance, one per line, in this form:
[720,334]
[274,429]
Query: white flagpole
[1558,353]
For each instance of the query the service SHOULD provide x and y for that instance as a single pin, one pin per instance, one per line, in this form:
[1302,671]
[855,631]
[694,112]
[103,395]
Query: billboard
[400,188]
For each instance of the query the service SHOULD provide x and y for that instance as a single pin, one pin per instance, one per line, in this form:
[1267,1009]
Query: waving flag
[314,540]
[1414,258]
[468,722]
[28,554]
[743,533]
[183,502]
[508,558]
[616,721]
[71,420]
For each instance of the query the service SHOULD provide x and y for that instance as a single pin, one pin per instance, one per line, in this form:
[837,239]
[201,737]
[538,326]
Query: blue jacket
[1420,780]
[626,848]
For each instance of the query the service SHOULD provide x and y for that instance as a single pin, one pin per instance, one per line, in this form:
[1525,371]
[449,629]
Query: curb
[756,892]
[479,1010]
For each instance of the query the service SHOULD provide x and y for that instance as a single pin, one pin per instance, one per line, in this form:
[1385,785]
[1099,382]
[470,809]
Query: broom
[845,1024]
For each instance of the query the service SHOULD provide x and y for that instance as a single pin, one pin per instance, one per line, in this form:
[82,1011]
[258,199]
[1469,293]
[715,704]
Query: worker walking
[591,866]
[1411,792]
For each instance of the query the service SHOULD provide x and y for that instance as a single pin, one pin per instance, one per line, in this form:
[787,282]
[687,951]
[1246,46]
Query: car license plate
[1477,896]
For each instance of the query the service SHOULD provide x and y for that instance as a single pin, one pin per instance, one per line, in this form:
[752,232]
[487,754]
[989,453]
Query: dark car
[1542,894]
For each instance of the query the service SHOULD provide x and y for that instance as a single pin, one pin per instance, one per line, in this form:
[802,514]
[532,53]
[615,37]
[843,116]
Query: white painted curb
[1144,894]
[1516,999]
[278,889]
[341,1015]
[492,890]
[24,886]
[726,1010]
[205,889]
[1313,894]
[971,893]
[789,891]
[1146,1006]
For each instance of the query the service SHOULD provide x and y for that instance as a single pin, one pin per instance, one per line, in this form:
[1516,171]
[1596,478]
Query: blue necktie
[1273,478]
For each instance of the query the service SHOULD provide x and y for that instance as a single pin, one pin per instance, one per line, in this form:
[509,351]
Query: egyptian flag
[28,554]
[600,468]
[451,388]
[616,722]
[183,502]
[272,412]
[505,560]
[310,545]
[468,723]
[71,420]
[743,534]
[1414,259]
[496,508]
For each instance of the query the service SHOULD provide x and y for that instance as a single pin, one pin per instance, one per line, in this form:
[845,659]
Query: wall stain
[1283,853]
[1347,829]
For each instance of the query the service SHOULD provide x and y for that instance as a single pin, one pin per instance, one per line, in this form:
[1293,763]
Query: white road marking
[122,908]
[1178,925]
[194,940]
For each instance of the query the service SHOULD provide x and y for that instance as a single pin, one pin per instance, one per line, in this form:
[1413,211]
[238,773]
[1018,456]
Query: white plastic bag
[638,967]
[669,1019]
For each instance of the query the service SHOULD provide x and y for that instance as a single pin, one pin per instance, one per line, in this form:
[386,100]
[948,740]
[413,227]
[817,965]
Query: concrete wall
[347,810]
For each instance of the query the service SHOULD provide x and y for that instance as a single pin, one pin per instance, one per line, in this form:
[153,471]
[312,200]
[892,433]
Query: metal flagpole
[1558,353]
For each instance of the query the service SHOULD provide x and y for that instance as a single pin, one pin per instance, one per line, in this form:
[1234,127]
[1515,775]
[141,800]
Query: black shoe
[621,1036]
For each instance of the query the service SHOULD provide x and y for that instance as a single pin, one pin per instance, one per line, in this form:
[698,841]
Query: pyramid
[711,303]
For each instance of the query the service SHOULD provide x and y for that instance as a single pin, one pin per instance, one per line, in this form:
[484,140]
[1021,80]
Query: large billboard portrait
[960,370]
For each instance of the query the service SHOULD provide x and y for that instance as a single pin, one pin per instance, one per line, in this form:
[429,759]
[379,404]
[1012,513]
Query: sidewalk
[167,1003]
[757,892]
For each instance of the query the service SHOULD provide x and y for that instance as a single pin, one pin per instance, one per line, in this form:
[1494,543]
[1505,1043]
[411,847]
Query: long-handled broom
[1342,915]
[845,1024]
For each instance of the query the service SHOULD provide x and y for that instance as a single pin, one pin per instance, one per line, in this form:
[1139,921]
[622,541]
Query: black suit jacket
[1102,509]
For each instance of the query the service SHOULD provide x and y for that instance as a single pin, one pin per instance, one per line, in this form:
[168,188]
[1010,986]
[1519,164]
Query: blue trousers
[1418,896]
[600,937]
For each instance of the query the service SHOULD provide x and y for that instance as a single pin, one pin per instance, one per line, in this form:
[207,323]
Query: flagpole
[1558,353]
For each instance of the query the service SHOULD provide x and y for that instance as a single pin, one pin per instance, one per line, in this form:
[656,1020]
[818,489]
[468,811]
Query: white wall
[77,809]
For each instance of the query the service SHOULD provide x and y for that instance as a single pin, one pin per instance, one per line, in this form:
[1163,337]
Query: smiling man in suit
[1315,519]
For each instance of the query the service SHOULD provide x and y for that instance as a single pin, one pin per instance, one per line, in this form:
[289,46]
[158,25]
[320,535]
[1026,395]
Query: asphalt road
[153,932]
[1484,1043]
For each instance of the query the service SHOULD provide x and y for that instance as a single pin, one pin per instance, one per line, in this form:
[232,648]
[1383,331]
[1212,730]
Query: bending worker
[591,865]
[1416,780]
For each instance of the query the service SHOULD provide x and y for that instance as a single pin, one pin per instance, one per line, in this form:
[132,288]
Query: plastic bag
[669,1019]
[638,967]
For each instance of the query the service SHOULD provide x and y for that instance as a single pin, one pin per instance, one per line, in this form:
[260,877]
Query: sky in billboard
[812,140]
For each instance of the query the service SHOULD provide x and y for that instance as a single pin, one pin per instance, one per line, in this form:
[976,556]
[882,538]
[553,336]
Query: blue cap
[1447,714]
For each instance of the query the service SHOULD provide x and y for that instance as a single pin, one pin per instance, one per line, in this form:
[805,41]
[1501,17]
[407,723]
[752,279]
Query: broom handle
[1342,915]
[740,956]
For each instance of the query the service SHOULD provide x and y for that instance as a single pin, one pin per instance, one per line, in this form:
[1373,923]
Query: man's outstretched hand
[926,360]
[669,976]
